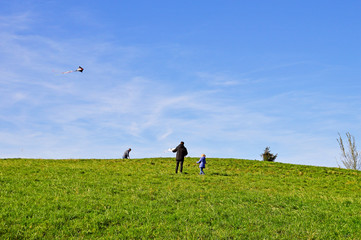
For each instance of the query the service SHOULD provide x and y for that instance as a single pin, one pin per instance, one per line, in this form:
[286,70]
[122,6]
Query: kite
[169,150]
[79,69]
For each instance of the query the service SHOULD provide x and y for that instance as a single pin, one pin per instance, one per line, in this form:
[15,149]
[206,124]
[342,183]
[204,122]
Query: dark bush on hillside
[268,156]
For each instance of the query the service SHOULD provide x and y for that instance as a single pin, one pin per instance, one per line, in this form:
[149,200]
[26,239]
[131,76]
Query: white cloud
[16,22]
[219,79]
[114,105]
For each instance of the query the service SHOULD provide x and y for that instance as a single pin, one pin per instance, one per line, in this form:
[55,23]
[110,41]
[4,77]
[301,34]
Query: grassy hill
[144,198]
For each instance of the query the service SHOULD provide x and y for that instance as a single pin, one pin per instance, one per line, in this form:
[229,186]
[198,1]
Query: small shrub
[268,156]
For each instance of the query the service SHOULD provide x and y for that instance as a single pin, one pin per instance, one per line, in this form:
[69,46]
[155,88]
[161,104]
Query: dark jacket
[181,151]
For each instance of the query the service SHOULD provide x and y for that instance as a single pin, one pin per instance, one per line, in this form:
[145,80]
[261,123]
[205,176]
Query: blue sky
[228,78]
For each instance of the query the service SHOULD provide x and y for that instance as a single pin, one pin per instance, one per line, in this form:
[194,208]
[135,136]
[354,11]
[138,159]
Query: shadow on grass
[220,174]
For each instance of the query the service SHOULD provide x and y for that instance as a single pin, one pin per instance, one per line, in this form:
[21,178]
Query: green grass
[145,199]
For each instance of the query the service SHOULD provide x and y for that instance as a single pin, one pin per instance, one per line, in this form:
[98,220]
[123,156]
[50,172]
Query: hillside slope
[144,198]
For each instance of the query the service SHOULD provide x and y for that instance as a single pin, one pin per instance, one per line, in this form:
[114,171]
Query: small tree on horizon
[268,156]
[350,157]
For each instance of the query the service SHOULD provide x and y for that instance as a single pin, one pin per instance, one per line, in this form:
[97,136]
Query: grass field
[145,199]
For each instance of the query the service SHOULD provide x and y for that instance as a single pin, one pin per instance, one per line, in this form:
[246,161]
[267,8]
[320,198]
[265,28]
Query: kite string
[68,72]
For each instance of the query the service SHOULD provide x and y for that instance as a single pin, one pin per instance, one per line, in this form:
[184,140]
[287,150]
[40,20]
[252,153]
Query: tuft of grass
[144,198]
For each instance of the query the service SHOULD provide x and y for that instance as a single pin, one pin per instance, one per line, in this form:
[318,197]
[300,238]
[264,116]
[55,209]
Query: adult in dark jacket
[181,151]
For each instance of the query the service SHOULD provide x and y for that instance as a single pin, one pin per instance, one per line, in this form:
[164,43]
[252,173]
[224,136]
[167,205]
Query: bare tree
[350,157]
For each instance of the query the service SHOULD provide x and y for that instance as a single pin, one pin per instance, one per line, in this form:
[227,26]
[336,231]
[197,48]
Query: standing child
[202,164]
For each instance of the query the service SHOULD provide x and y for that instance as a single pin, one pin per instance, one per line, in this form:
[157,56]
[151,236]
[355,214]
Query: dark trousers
[179,162]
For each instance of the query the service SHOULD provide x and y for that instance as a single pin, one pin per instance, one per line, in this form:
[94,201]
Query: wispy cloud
[218,79]
[149,97]
[15,22]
